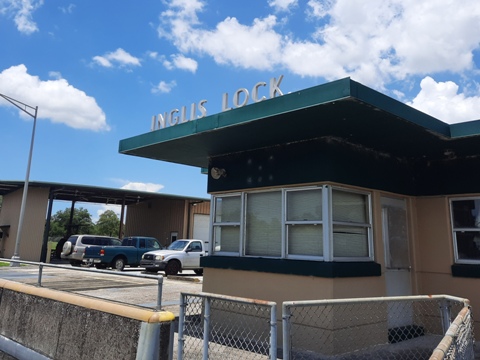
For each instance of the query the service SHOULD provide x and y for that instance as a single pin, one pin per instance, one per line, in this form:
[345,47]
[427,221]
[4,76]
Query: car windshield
[178,245]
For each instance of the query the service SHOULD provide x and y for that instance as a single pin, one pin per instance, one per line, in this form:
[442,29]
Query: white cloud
[138,186]
[319,8]
[21,11]
[181,62]
[164,87]
[67,9]
[442,100]
[119,57]
[375,41]
[282,5]
[57,100]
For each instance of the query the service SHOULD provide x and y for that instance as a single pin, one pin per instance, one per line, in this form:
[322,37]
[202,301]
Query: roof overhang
[342,109]
[90,194]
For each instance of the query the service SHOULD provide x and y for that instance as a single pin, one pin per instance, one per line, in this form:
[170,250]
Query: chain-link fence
[227,328]
[457,342]
[375,328]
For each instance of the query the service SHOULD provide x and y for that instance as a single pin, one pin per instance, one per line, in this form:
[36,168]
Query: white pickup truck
[180,255]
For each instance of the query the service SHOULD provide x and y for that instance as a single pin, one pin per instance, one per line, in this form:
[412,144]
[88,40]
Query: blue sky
[99,70]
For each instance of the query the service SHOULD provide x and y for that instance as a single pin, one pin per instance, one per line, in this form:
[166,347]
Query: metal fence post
[181,325]
[445,313]
[286,331]
[206,327]
[273,332]
[159,292]
[40,272]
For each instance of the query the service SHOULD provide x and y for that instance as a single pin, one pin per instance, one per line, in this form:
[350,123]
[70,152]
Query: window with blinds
[303,223]
[319,223]
[226,224]
[264,224]
[350,224]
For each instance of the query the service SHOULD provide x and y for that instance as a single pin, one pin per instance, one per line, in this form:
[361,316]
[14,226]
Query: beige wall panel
[266,286]
[33,223]
[435,248]
[201,208]
[370,286]
[157,218]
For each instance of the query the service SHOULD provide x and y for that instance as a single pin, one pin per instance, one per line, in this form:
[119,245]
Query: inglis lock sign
[240,98]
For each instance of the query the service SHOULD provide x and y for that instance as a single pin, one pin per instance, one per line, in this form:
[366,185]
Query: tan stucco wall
[436,256]
[33,223]
[279,287]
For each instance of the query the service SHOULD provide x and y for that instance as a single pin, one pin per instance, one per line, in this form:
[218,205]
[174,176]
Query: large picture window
[466,229]
[318,223]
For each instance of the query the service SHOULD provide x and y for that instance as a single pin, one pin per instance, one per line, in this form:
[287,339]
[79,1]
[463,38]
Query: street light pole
[32,111]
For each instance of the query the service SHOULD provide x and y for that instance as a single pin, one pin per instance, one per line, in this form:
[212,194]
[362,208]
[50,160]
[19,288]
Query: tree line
[108,223]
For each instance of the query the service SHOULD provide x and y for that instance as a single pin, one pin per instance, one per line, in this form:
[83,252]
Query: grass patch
[3,263]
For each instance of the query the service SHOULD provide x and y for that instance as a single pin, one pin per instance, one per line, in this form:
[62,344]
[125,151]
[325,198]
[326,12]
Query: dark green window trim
[294,267]
[466,270]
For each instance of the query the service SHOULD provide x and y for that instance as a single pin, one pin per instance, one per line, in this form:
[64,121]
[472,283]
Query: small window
[88,240]
[195,246]
[350,224]
[304,223]
[226,225]
[466,230]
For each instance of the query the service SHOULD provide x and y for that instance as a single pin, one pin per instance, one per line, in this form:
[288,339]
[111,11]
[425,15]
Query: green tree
[108,224]
[81,223]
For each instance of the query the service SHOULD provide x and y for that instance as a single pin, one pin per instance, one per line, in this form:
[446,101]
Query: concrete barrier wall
[66,326]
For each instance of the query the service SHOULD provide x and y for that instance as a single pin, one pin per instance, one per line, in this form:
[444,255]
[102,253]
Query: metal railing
[224,327]
[41,265]
[456,344]
[374,328]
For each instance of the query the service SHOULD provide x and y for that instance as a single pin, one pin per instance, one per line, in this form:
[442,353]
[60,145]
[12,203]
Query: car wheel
[198,271]
[75,263]
[118,263]
[172,268]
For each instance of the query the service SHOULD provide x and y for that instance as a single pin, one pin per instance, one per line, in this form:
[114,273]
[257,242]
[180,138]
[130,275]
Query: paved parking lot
[109,285]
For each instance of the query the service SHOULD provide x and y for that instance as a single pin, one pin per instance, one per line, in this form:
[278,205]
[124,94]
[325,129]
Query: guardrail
[41,265]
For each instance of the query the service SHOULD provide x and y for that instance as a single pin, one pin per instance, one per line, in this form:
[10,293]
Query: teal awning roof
[344,110]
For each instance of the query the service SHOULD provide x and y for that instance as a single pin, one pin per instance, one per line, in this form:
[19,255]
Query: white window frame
[368,225]
[227,224]
[286,223]
[461,229]
[326,222]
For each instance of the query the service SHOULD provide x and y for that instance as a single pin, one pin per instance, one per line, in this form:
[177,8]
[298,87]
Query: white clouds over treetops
[57,100]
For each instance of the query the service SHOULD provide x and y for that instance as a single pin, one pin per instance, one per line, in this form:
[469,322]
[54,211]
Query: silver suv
[74,247]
